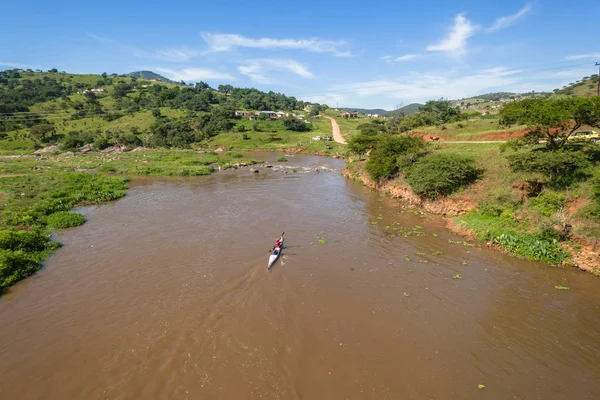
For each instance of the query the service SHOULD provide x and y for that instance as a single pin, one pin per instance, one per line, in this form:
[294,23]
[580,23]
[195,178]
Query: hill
[365,111]
[587,86]
[411,108]
[149,75]
[38,109]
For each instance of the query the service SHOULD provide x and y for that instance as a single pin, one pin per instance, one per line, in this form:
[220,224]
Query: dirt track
[335,128]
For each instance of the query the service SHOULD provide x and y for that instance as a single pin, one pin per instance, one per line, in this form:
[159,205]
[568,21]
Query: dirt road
[335,128]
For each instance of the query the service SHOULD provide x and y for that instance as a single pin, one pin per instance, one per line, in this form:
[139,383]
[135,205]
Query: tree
[202,85]
[225,89]
[40,131]
[104,75]
[296,125]
[53,70]
[156,113]
[557,119]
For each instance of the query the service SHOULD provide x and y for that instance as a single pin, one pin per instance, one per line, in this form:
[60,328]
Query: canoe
[275,255]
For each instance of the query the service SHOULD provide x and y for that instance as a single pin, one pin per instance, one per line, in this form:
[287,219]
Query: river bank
[461,217]
[358,298]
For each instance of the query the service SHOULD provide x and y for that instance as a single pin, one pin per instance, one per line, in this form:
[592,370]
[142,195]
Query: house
[155,80]
[97,90]
[240,114]
[349,115]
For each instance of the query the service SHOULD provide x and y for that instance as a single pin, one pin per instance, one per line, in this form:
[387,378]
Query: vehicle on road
[316,138]
[584,136]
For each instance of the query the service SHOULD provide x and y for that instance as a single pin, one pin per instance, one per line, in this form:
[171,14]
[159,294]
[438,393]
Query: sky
[348,54]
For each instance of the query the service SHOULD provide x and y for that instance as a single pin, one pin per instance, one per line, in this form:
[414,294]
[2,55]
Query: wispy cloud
[427,86]
[258,70]
[455,44]
[18,65]
[97,38]
[407,57]
[176,54]
[508,20]
[194,74]
[227,42]
[587,56]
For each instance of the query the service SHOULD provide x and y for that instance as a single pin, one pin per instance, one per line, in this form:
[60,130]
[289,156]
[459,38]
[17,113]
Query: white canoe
[274,255]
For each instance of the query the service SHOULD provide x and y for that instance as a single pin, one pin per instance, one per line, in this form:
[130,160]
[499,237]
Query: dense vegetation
[36,203]
[38,107]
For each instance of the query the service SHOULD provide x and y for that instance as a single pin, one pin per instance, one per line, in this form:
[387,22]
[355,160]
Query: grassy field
[468,130]
[348,126]
[272,135]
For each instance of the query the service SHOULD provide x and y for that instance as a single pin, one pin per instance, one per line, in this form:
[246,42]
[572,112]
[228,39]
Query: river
[165,294]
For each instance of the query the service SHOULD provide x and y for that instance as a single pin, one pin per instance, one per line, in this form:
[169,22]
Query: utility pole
[598,65]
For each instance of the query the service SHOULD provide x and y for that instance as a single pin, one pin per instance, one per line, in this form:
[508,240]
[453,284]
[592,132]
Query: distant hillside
[496,96]
[587,86]
[379,111]
[149,75]
[411,108]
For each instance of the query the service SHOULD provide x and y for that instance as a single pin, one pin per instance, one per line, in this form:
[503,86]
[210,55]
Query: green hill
[38,109]
[411,108]
[587,86]
[379,111]
[149,75]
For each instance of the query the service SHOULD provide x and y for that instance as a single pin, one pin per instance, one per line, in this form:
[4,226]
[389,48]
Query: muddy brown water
[165,295]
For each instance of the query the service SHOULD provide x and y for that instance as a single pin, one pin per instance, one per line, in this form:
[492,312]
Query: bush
[531,246]
[548,203]
[561,167]
[16,265]
[64,219]
[234,154]
[384,159]
[30,241]
[439,174]
[282,159]
[293,124]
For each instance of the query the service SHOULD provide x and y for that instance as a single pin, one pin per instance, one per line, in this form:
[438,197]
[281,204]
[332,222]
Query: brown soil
[586,257]
[456,206]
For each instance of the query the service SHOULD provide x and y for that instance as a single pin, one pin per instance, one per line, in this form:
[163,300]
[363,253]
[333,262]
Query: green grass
[466,130]
[36,202]
[64,219]
[273,136]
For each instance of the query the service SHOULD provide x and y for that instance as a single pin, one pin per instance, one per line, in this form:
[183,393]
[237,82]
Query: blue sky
[355,54]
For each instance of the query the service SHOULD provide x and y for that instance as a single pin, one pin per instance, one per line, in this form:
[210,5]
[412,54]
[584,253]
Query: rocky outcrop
[48,149]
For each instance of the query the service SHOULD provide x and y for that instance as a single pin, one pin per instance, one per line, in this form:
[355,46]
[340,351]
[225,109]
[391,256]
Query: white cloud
[504,22]
[99,38]
[583,56]
[387,59]
[18,65]
[407,57]
[257,69]
[227,42]
[176,54]
[426,86]
[194,74]
[332,99]
[455,44]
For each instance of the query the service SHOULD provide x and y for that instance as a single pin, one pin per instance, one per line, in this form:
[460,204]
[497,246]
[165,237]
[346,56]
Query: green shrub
[384,159]
[16,265]
[30,241]
[282,159]
[440,174]
[64,219]
[233,154]
[530,246]
[561,167]
[297,125]
[548,203]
